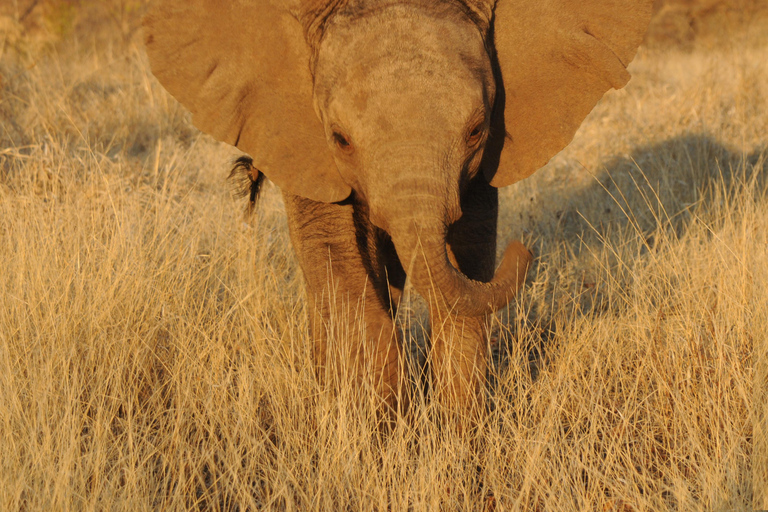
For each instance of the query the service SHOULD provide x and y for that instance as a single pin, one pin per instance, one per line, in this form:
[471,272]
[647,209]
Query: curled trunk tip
[432,272]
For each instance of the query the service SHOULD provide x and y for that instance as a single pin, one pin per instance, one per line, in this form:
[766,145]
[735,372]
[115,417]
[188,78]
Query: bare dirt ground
[154,346]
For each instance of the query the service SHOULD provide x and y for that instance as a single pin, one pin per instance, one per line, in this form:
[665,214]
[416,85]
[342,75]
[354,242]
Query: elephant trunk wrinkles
[420,241]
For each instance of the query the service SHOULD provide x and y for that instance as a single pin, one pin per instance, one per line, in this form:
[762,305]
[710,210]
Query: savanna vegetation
[154,350]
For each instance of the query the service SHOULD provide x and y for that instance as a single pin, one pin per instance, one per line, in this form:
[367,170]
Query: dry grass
[154,348]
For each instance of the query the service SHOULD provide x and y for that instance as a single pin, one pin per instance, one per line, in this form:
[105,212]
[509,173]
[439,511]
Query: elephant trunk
[420,241]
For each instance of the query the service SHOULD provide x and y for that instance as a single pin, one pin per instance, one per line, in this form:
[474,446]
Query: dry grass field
[154,343]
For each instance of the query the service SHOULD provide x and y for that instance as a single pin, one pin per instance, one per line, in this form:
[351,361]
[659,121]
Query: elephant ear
[242,68]
[557,58]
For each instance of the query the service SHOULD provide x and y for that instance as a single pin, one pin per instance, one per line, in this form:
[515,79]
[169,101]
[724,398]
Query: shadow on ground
[635,203]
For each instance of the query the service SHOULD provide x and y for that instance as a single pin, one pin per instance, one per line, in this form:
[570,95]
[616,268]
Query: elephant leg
[459,343]
[346,266]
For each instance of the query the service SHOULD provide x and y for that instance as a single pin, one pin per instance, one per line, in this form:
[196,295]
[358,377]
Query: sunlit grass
[154,344]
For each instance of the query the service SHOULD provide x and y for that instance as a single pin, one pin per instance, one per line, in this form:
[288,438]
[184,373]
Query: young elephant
[388,125]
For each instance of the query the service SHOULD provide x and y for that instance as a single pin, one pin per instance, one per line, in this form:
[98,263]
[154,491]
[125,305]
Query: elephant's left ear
[242,68]
[557,58]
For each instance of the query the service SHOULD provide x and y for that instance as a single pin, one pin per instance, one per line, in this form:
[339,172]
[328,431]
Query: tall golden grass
[154,344]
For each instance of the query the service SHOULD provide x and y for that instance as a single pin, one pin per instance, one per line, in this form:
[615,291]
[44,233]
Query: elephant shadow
[655,188]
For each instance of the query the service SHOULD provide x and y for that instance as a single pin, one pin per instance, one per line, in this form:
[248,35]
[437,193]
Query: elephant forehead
[403,22]
[397,54]
[396,106]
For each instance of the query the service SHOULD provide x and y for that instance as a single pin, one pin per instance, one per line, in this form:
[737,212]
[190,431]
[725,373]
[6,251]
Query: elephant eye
[341,141]
[476,133]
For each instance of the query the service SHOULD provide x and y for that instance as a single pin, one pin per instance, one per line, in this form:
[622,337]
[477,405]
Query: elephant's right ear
[557,58]
[242,68]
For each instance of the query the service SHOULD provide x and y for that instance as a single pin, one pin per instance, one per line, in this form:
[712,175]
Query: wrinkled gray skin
[405,93]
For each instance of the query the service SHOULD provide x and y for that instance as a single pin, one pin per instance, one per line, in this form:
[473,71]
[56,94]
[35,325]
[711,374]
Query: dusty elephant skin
[388,124]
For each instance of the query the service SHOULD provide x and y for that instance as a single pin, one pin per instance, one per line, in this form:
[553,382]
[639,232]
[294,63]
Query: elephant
[389,126]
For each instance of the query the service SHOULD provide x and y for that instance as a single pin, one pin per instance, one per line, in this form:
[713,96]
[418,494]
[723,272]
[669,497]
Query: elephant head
[399,102]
